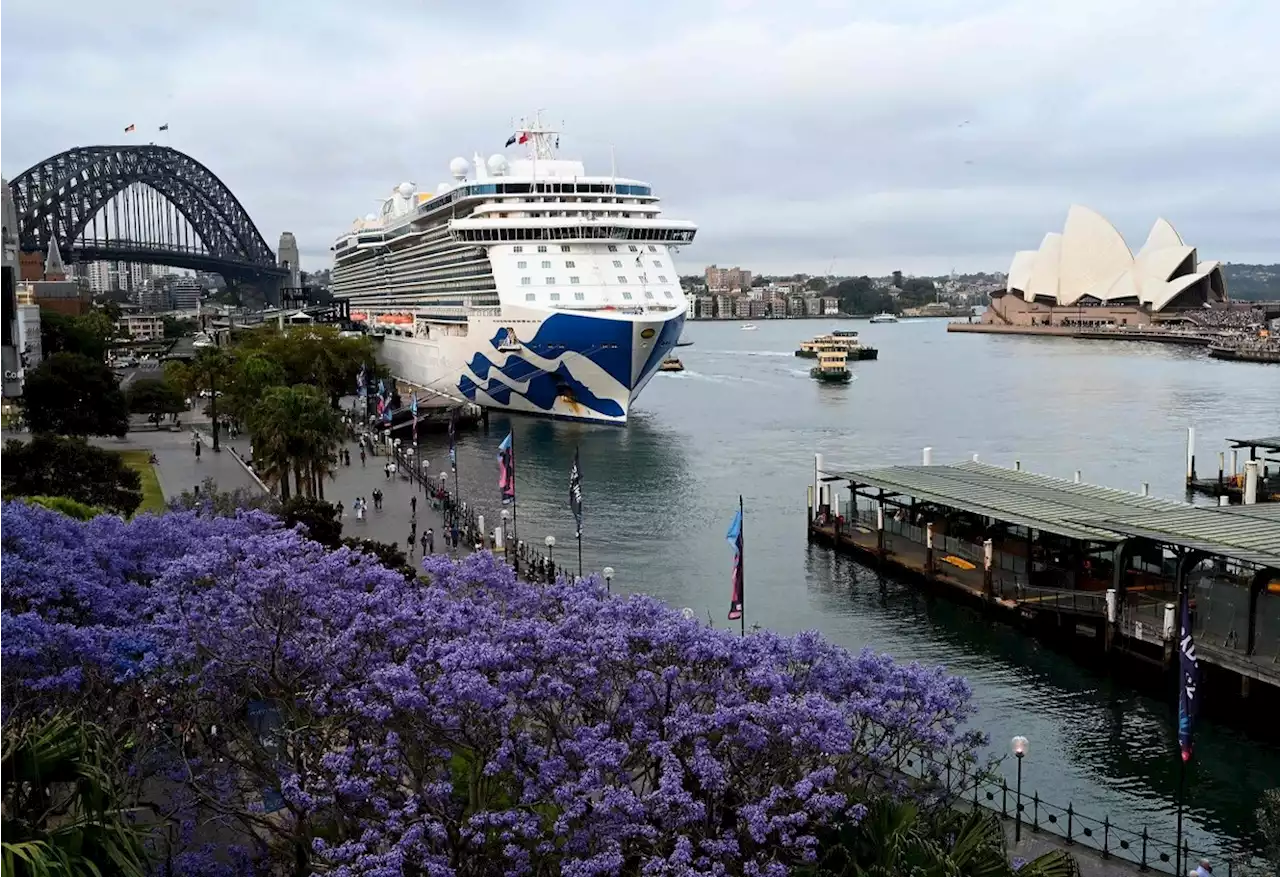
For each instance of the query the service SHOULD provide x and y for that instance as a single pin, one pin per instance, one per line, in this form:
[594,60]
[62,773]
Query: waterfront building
[727,278]
[1087,275]
[830,305]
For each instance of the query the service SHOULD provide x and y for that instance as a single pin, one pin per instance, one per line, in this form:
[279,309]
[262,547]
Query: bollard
[1146,488]
[1224,500]
[1169,627]
[480,527]
[926,457]
[975,458]
[1017,465]
[1250,482]
[817,483]
[1191,454]
[1079,474]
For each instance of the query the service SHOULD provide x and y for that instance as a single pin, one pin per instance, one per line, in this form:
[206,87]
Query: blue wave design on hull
[544,387]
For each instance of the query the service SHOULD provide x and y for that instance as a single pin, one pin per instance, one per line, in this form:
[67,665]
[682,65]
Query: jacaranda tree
[319,712]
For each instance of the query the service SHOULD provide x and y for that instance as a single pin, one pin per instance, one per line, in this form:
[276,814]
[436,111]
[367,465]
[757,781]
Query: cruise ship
[520,284]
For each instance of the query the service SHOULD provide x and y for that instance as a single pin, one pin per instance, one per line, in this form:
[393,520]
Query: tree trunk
[319,477]
[297,479]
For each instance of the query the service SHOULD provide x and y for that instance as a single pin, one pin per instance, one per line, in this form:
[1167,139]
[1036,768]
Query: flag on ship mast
[734,536]
[130,129]
[164,127]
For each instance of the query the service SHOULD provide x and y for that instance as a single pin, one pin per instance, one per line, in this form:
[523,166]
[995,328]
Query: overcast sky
[918,135]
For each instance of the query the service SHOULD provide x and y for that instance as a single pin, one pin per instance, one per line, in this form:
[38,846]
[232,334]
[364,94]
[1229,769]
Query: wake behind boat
[525,285]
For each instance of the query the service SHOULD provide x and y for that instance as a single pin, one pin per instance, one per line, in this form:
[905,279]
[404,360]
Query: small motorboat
[671,364]
[748,327]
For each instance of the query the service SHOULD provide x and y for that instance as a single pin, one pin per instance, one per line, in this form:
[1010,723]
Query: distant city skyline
[857,139]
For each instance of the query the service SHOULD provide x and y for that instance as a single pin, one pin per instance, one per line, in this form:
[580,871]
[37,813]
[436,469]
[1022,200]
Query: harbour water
[744,417]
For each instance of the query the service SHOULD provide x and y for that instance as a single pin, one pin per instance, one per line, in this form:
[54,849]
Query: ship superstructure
[524,284]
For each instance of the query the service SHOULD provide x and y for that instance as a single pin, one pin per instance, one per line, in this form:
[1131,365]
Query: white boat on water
[884,317]
[748,327]
[526,285]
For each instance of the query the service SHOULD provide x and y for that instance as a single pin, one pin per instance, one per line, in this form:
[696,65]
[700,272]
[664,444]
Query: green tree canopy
[319,517]
[176,327]
[858,295]
[314,355]
[155,397]
[294,429]
[50,465]
[72,394]
[88,335]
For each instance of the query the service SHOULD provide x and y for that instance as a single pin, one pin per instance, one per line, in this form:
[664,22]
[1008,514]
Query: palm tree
[62,808]
[896,837]
[295,431]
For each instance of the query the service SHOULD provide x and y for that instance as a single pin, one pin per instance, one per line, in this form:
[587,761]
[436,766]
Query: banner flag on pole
[575,492]
[1190,671]
[360,387]
[507,470]
[453,439]
[734,536]
[413,409]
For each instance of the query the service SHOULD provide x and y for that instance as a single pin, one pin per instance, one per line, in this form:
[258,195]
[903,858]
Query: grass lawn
[152,495]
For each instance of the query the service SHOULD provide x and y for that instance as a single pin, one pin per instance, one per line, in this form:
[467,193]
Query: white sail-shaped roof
[1090,258]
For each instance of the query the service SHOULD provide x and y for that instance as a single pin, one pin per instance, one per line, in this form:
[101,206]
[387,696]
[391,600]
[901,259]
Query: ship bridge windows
[652,248]
[648,294]
[555,296]
[565,248]
[569,263]
[546,263]
[542,248]
[617,263]
[522,264]
[612,248]
[530,296]
[626,295]
[622,278]
[551,281]
[574,279]
[517,249]
[662,278]
[579,296]
[526,281]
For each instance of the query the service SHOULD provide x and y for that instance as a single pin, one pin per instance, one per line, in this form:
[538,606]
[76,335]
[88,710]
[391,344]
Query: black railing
[1148,851]
[530,563]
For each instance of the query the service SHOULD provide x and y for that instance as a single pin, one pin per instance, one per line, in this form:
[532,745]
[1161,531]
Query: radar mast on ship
[543,141]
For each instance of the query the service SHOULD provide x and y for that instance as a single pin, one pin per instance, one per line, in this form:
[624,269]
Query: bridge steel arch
[58,197]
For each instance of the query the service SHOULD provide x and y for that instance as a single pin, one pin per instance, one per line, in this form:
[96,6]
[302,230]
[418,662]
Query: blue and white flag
[507,470]
[1189,669]
[734,537]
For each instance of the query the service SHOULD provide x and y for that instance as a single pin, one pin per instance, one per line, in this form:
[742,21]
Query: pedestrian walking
[377,498]
[430,538]
[341,510]
[409,543]
[454,533]
[426,542]
[362,455]
[197,447]
[413,505]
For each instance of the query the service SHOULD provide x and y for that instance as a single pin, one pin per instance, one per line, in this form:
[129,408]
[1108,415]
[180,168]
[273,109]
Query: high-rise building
[184,294]
[287,256]
[727,278]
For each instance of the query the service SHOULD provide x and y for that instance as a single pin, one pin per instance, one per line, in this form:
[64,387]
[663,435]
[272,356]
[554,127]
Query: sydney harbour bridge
[148,205]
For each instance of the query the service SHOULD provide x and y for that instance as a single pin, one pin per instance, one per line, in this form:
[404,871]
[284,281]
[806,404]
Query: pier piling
[1191,454]
[1251,482]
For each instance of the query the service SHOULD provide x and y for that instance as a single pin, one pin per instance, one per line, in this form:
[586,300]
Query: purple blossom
[462,723]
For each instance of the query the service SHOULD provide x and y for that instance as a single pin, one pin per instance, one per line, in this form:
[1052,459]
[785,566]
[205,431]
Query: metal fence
[1138,846]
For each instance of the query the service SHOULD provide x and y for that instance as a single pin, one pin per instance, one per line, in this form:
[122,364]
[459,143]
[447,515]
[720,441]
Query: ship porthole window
[627,296]
[525,281]
[574,279]
[579,296]
[551,281]
[555,296]
[517,249]
[648,294]
[530,296]
[522,264]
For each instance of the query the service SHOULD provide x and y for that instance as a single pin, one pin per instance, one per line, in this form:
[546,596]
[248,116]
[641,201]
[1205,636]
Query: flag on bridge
[130,129]
[735,539]
[1190,671]
[164,127]
[575,492]
[507,470]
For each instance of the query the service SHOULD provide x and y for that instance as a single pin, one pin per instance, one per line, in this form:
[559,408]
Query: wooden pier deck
[1102,568]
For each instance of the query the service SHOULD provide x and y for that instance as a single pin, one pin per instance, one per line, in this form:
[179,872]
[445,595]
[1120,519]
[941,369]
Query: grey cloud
[791,132]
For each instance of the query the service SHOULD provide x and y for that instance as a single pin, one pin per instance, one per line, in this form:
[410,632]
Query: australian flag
[453,439]
[1190,672]
[507,470]
[735,539]
[575,492]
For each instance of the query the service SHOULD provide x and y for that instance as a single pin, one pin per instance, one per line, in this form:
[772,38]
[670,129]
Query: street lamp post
[608,579]
[506,548]
[1019,750]
[550,542]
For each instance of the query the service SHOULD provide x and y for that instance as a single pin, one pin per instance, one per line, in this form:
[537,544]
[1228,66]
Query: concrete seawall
[1155,336]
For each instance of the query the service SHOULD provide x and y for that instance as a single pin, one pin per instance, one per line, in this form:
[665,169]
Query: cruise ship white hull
[574,365]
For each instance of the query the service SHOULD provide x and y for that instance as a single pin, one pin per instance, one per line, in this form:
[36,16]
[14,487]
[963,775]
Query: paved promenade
[392,523]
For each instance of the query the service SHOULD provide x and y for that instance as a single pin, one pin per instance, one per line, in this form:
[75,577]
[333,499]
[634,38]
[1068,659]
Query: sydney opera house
[1087,275]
